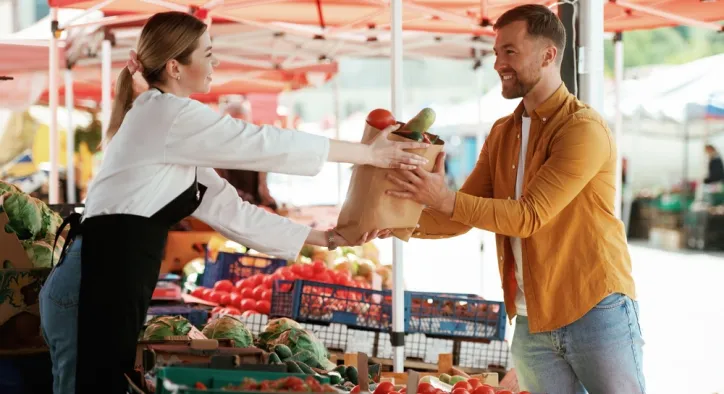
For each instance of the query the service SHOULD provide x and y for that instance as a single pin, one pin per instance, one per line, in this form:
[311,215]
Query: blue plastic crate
[197,316]
[454,316]
[236,266]
[322,303]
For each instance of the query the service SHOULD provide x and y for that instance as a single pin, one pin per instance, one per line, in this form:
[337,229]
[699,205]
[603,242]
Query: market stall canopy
[679,94]
[460,16]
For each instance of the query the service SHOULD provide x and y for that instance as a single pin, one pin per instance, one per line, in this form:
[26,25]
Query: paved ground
[681,298]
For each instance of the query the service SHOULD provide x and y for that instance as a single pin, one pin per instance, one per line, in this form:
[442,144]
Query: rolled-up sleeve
[578,153]
[223,210]
[203,137]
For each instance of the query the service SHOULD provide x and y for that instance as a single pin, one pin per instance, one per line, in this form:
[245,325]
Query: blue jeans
[59,318]
[600,352]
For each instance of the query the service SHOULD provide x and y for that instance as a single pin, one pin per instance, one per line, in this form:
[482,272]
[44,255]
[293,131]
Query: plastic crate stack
[435,323]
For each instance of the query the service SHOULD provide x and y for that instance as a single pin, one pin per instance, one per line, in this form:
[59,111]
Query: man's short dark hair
[541,21]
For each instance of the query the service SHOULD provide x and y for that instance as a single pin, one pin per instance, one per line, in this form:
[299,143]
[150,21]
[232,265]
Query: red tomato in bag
[380,118]
[225,299]
[206,294]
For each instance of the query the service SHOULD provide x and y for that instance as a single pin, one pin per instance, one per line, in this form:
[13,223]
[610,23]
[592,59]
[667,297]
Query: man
[716,167]
[251,185]
[545,184]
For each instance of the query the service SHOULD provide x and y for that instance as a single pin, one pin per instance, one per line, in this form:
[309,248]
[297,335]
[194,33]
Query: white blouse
[163,138]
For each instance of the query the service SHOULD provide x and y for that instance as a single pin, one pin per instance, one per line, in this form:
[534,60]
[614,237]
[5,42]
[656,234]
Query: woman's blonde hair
[165,36]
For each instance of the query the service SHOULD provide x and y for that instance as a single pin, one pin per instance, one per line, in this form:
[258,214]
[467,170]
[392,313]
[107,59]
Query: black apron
[120,263]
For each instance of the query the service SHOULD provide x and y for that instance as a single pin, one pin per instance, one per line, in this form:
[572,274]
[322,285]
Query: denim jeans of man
[59,318]
[600,353]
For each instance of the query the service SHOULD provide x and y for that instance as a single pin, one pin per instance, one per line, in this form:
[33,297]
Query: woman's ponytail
[121,102]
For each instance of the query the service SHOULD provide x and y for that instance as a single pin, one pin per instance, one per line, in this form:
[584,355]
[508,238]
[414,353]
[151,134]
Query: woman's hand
[385,153]
[319,238]
[366,237]
[384,234]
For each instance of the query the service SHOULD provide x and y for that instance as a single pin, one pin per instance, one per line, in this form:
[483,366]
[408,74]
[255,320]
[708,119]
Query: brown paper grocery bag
[367,207]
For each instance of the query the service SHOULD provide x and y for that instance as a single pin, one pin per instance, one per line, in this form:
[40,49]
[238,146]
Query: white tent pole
[69,139]
[105,88]
[397,335]
[591,53]
[53,104]
[618,125]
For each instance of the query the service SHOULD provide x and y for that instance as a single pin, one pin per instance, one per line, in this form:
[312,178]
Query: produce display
[290,384]
[34,223]
[253,295]
[444,384]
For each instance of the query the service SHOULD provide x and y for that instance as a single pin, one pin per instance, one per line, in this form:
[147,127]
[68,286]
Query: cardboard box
[20,286]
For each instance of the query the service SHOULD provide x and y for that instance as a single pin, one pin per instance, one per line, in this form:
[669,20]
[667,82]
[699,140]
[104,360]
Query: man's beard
[520,88]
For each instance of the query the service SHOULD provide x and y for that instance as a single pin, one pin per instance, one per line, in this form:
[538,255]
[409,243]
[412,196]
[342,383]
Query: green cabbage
[298,339]
[161,327]
[50,220]
[39,253]
[8,188]
[274,328]
[25,217]
[229,327]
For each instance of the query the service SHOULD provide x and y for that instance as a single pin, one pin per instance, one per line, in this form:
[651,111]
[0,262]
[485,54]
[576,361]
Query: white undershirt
[515,242]
[163,138]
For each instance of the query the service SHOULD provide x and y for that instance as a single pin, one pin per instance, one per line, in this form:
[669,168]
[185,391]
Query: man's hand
[426,188]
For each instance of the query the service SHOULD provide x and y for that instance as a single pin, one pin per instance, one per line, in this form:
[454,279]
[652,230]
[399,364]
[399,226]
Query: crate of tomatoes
[455,316]
[353,304]
[234,266]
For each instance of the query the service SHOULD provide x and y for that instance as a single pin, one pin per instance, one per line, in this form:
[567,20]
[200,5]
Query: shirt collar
[549,107]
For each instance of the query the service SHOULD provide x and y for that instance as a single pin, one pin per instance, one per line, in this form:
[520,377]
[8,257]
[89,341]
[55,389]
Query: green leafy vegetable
[229,327]
[161,327]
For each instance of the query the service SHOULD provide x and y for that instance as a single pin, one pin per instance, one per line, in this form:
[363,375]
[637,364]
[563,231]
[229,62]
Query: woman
[158,169]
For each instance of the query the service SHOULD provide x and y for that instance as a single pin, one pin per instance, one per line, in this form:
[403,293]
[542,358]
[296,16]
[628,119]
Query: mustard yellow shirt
[574,248]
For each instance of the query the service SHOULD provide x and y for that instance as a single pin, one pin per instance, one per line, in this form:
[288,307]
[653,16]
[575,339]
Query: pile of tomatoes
[253,295]
[246,297]
[471,386]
